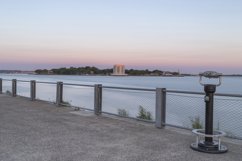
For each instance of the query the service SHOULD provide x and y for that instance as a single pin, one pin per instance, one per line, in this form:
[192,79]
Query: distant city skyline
[190,36]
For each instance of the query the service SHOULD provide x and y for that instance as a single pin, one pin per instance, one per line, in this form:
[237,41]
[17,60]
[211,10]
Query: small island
[91,70]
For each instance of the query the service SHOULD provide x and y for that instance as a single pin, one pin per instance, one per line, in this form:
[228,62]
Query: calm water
[181,108]
[231,85]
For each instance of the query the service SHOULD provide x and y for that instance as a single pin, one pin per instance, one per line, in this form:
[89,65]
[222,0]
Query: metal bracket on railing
[210,75]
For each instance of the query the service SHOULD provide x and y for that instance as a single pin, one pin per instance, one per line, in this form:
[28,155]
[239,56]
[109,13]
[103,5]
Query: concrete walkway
[38,131]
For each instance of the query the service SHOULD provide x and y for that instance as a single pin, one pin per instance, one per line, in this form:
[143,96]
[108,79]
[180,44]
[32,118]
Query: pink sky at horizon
[185,62]
[164,58]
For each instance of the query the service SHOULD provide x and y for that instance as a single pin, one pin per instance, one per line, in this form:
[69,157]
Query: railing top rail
[185,92]
[23,81]
[129,88]
[202,93]
[72,84]
[228,95]
[46,82]
[30,81]
[7,79]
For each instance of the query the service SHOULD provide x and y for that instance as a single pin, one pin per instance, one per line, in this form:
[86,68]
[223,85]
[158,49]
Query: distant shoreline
[94,71]
[182,75]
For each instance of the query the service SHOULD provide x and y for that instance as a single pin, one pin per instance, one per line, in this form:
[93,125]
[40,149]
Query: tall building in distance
[119,70]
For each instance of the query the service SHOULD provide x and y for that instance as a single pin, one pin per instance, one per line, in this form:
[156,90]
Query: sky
[185,35]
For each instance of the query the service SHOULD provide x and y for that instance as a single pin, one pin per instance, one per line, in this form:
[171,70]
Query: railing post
[98,99]
[1,85]
[59,93]
[160,107]
[14,87]
[32,90]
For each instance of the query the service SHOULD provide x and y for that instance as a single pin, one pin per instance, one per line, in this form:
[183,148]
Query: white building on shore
[119,70]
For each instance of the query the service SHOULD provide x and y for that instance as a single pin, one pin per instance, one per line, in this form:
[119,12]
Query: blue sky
[186,35]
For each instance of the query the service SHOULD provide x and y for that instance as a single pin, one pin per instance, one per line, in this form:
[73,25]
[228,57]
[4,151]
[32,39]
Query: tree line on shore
[95,71]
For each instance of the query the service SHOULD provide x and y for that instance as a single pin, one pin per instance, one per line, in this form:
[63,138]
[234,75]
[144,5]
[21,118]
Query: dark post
[32,90]
[160,118]
[210,90]
[98,99]
[59,93]
[1,85]
[14,87]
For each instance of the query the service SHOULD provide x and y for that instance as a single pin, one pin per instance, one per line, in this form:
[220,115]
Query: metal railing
[128,102]
[182,109]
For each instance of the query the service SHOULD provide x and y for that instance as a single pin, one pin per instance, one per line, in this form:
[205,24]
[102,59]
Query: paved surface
[38,131]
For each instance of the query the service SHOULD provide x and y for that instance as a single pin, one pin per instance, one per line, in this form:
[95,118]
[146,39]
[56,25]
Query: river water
[181,108]
[232,85]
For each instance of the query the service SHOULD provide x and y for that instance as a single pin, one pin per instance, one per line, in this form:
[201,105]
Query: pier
[37,130]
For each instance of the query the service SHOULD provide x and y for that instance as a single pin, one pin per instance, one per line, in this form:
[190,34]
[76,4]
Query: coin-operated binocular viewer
[209,140]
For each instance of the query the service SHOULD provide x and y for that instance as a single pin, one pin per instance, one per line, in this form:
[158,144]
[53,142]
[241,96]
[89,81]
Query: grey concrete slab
[39,131]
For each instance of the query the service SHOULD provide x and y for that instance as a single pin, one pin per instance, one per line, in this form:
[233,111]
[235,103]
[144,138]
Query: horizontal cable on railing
[46,82]
[202,93]
[185,92]
[81,108]
[23,96]
[234,99]
[177,126]
[84,85]
[23,81]
[185,95]
[39,99]
[128,88]
[7,79]
[133,118]
[228,95]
